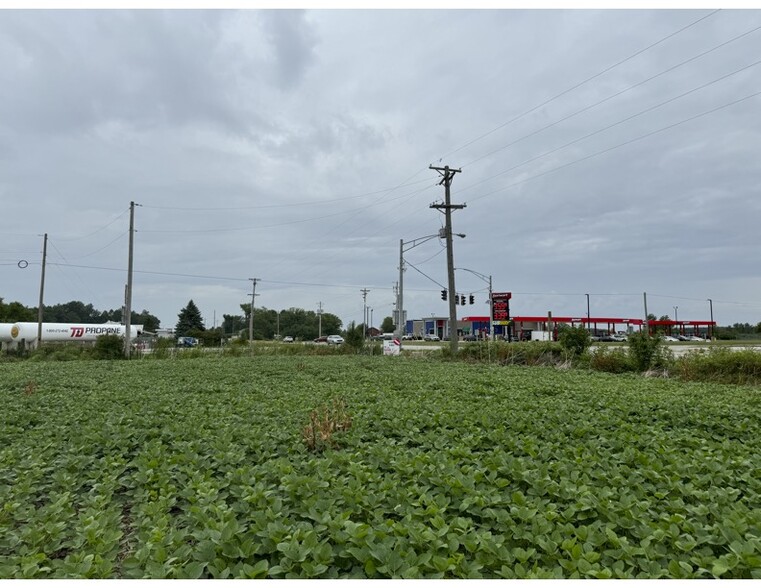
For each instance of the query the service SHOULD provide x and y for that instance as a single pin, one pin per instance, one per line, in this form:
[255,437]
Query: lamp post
[589,320]
[412,243]
[486,279]
[710,302]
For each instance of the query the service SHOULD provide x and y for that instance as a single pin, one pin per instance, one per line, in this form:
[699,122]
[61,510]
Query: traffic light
[443,294]
[462,300]
[472,299]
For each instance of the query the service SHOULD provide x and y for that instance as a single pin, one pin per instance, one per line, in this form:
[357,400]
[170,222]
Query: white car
[335,339]
[288,339]
[670,339]
[430,337]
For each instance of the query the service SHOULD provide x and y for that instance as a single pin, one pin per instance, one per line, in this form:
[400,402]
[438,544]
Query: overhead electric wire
[610,126]
[589,107]
[116,218]
[282,224]
[305,203]
[579,84]
[614,147]
[426,275]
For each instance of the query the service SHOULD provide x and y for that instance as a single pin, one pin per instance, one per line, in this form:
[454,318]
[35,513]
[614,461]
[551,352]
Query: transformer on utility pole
[447,175]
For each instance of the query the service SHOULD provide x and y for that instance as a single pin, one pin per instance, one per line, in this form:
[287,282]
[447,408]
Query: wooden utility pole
[42,290]
[364,312]
[447,176]
[251,317]
[319,319]
[128,293]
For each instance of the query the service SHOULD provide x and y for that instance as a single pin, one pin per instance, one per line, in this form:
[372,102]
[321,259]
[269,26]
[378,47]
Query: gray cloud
[294,146]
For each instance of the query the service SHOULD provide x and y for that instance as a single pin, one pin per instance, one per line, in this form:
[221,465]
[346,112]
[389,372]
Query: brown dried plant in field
[323,423]
[30,387]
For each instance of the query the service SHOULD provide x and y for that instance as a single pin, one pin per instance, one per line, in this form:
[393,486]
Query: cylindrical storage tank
[70,331]
[5,332]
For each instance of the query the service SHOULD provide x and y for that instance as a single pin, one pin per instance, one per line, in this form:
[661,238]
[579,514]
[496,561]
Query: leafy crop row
[199,468]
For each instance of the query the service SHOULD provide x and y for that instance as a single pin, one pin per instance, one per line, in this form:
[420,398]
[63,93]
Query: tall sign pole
[447,175]
[42,290]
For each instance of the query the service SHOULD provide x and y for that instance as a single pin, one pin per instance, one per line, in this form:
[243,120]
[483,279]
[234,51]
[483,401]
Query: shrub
[575,340]
[721,365]
[524,353]
[355,337]
[648,353]
[614,361]
[163,348]
[58,352]
[108,347]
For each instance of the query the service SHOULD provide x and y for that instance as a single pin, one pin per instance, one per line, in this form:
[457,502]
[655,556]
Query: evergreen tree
[190,321]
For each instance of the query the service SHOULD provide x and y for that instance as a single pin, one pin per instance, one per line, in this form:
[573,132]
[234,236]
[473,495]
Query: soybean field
[373,467]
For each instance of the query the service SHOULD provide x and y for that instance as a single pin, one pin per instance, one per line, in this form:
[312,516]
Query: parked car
[697,339]
[334,339]
[670,339]
[408,337]
[288,339]
[323,339]
[470,338]
[431,337]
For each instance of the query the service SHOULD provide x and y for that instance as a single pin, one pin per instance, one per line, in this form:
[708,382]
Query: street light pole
[712,330]
[400,294]
[588,317]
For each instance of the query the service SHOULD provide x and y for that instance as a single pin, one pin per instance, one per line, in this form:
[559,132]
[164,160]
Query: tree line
[268,324]
[73,312]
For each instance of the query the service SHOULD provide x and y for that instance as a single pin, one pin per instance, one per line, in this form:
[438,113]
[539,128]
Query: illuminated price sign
[501,307]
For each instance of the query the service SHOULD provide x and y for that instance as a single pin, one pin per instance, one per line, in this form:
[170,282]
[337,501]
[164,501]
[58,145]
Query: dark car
[323,339]
[470,338]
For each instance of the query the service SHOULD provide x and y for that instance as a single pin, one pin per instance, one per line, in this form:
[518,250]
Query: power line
[610,126]
[116,218]
[589,107]
[289,205]
[578,85]
[646,135]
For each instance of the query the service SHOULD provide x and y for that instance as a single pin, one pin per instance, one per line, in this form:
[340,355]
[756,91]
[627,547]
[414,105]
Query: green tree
[13,312]
[387,326]
[355,338]
[190,321]
[576,340]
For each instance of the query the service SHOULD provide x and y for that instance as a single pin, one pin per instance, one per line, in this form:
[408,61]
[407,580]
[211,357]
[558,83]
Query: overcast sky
[603,152]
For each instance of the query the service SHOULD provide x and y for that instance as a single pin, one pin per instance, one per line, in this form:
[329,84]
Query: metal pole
[128,297]
[491,312]
[710,327]
[42,289]
[588,316]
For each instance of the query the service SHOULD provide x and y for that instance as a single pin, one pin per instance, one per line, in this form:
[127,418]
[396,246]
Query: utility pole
[364,312]
[251,315]
[128,294]
[42,289]
[400,296]
[447,177]
[319,319]
[710,327]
